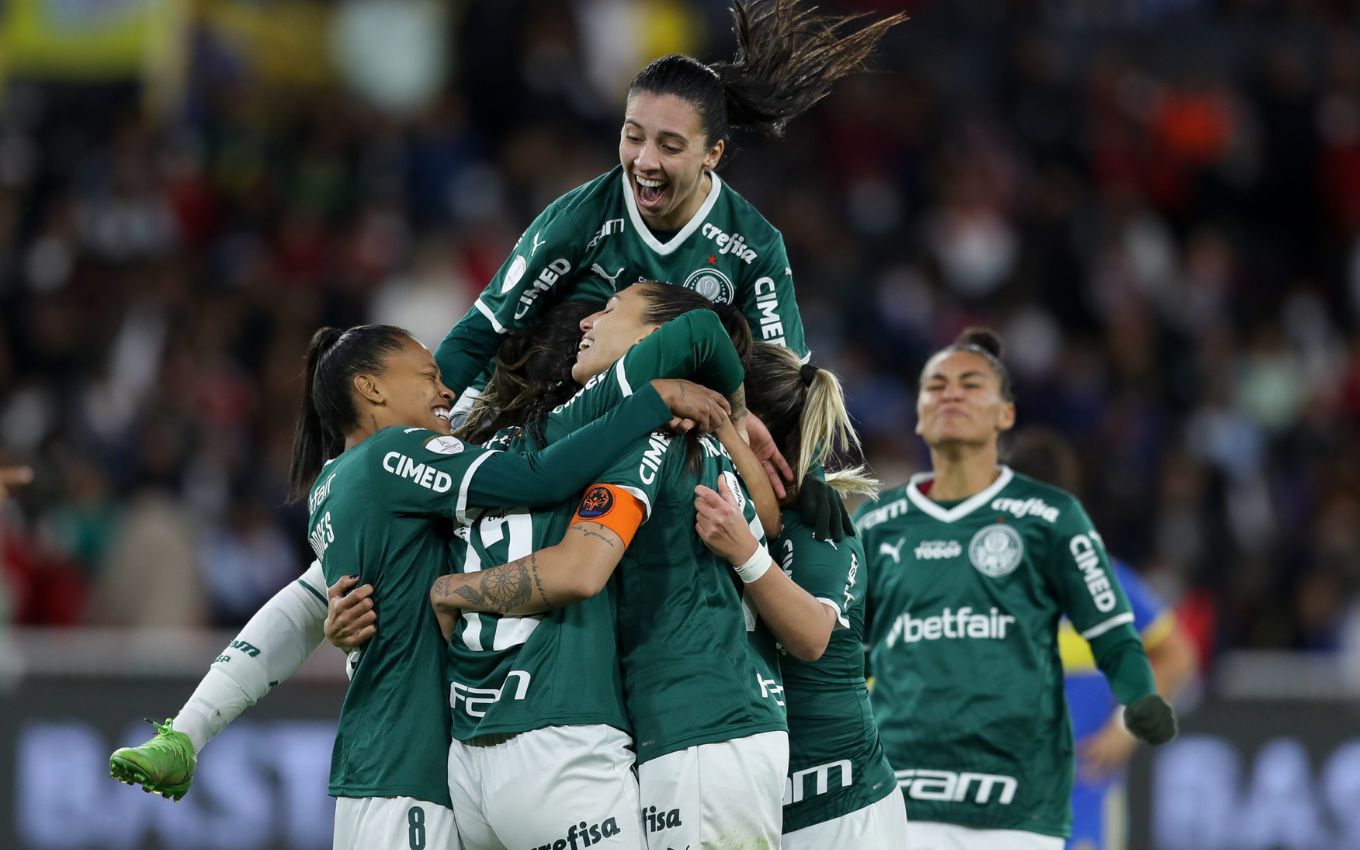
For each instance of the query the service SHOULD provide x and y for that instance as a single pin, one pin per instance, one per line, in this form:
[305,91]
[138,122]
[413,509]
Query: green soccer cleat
[164,765]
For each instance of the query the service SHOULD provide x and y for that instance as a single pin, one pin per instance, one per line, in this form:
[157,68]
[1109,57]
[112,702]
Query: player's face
[410,391]
[960,401]
[666,157]
[611,332]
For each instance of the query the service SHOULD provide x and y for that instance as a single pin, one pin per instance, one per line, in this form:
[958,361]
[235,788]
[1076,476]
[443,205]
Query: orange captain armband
[613,507]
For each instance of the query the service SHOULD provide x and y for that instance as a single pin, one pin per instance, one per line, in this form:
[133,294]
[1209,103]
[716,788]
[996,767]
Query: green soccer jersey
[963,609]
[698,665]
[592,242]
[836,760]
[512,674]
[382,510]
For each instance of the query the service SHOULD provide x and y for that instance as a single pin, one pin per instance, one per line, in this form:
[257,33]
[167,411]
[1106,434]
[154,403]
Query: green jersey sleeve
[639,469]
[424,472]
[827,571]
[693,345]
[1093,600]
[547,252]
[769,304]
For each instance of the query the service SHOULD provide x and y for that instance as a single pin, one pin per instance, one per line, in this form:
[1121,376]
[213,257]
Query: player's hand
[763,445]
[1151,719]
[13,476]
[721,524]
[1105,752]
[350,618]
[824,509]
[694,406]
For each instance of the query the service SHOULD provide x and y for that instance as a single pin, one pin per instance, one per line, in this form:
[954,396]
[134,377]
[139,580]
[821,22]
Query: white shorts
[393,823]
[560,787]
[877,826]
[927,835]
[728,794]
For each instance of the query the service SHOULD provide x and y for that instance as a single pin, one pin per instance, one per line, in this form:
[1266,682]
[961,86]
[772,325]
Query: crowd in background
[1156,201]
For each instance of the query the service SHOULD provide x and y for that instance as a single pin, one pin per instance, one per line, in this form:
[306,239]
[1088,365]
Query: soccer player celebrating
[663,214]
[970,568]
[840,791]
[1099,798]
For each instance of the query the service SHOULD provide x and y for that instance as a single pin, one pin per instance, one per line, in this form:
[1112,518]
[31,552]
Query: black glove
[824,509]
[1152,719]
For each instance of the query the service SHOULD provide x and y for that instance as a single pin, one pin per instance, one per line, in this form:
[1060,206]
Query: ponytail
[334,357]
[803,407]
[787,59]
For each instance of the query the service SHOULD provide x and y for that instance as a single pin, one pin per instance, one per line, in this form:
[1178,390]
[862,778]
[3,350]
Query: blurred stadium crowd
[1156,201]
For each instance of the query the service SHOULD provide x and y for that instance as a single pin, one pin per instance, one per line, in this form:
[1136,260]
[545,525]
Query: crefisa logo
[712,284]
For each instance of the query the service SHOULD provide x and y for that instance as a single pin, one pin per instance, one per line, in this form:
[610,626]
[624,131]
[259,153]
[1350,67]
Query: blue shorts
[1099,819]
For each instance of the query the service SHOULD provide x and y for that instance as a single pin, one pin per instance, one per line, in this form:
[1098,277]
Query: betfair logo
[950,625]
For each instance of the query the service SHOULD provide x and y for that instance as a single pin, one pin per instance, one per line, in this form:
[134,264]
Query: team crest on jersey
[712,284]
[734,487]
[597,502]
[445,445]
[996,550]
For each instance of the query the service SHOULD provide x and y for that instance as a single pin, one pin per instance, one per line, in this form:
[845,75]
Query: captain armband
[613,507]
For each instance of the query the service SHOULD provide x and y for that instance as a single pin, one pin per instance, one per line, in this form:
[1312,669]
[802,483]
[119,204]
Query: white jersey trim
[624,386]
[962,509]
[641,497]
[1113,622]
[461,510]
[490,316]
[840,615]
[649,238]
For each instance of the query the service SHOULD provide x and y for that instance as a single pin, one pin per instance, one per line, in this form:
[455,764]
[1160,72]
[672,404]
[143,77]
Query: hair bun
[985,338]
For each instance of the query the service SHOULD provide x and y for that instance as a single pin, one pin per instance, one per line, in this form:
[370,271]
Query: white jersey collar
[692,225]
[962,509]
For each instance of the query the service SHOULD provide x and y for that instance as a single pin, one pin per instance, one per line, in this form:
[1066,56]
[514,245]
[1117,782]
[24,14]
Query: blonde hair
[804,409]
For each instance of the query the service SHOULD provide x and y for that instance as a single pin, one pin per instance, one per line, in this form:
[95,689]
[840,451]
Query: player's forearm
[753,475]
[1173,661]
[569,572]
[469,346]
[1120,656]
[565,468]
[798,621]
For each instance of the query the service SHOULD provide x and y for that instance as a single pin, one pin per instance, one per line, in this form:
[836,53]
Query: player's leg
[465,790]
[930,835]
[562,786]
[728,794]
[270,648]
[393,823]
[877,826]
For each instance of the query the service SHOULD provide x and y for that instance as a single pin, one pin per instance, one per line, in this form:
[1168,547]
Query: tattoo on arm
[503,589]
[738,401]
[589,532]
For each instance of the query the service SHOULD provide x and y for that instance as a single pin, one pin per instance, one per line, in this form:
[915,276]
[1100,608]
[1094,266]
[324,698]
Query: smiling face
[666,156]
[611,332]
[407,392]
[960,401]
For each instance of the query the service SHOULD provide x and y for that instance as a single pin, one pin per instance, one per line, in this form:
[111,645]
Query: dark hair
[666,301]
[533,374]
[986,343]
[787,59]
[1045,454]
[803,408]
[334,357]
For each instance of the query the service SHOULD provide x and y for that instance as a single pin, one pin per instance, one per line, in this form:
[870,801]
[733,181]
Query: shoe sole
[127,772]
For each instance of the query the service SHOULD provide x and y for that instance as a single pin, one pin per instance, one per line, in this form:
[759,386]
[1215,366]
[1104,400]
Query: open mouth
[650,193]
[442,413]
[586,344]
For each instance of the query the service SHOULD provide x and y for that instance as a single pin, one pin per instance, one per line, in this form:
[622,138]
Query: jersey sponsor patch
[996,550]
[930,550]
[513,274]
[712,284]
[445,445]
[734,487]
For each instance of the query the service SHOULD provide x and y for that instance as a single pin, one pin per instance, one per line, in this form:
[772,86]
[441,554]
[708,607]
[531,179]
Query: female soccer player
[970,568]
[840,791]
[663,214]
